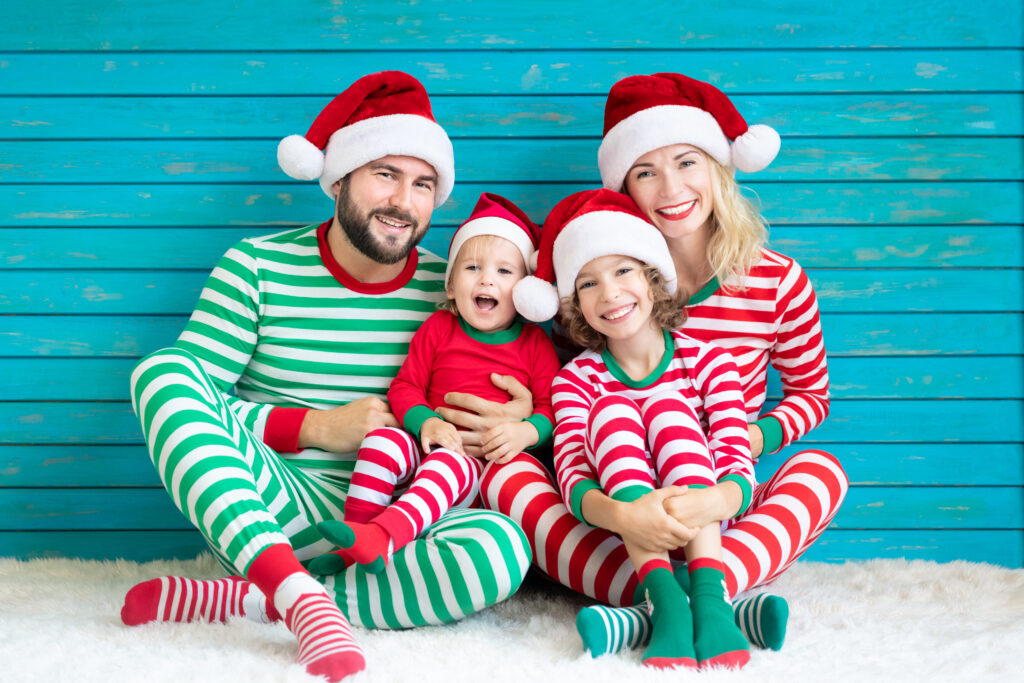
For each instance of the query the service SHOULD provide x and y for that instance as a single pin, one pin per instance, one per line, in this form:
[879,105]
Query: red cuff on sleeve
[282,430]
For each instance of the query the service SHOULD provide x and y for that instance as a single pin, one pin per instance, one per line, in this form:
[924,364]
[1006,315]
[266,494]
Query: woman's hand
[477,415]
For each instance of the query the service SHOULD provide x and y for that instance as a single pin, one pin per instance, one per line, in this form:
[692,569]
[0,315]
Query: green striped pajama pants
[244,497]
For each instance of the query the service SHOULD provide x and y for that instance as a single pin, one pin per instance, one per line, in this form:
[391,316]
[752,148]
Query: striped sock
[607,630]
[326,645]
[178,599]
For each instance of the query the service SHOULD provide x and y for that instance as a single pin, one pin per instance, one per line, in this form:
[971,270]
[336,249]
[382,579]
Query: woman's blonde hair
[666,310]
[738,231]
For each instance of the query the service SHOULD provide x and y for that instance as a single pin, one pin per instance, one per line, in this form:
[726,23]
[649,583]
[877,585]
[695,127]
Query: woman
[670,143]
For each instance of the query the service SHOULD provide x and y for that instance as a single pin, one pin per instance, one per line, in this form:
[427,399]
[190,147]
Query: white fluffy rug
[880,620]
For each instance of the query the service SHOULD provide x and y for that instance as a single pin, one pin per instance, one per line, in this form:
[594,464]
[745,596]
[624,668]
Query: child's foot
[762,618]
[366,544]
[606,630]
[717,640]
[178,599]
[326,645]
[672,642]
[328,564]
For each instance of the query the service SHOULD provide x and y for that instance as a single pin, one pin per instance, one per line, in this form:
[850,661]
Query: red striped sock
[178,599]
[326,645]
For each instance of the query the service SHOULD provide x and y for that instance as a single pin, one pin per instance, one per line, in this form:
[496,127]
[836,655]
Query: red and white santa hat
[645,113]
[494,215]
[582,227]
[379,115]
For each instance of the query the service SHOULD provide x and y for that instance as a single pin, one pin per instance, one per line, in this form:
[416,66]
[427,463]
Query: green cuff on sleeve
[544,429]
[771,431]
[414,419]
[576,497]
[745,487]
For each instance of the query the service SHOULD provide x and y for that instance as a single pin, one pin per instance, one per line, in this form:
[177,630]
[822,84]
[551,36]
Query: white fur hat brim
[605,233]
[360,143]
[495,227]
[654,128]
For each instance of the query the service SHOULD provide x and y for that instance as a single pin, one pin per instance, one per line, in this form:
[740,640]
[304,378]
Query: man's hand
[506,441]
[439,432]
[478,415]
[342,429]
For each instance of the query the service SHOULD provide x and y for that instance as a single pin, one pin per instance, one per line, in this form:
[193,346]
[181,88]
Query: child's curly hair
[667,311]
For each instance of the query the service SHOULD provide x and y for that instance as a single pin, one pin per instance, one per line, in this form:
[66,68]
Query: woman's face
[672,185]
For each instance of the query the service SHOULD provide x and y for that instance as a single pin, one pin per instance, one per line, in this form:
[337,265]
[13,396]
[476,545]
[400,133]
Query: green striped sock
[607,630]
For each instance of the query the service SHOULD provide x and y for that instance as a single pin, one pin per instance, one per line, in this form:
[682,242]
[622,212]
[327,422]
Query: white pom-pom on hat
[535,299]
[300,158]
[756,148]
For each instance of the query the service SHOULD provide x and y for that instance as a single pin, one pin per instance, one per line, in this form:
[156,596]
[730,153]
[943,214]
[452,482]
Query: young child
[644,408]
[475,335]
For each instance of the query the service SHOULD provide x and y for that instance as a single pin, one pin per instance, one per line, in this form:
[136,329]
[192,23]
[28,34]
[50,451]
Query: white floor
[882,620]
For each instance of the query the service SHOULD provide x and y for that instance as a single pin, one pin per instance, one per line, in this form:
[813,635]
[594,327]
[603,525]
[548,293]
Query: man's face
[384,207]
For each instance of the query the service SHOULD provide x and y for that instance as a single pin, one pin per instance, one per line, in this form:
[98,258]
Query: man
[308,327]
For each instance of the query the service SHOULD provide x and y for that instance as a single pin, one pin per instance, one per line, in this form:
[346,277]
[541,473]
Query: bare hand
[342,429]
[647,525]
[438,432]
[506,441]
[691,508]
[477,415]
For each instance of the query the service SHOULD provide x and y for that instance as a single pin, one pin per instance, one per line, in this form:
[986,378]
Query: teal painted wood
[251,161]
[1001,547]
[866,507]
[136,546]
[850,421]
[429,24]
[284,204]
[991,246]
[882,291]
[103,379]
[464,117]
[500,72]
[996,547]
[908,464]
[846,334]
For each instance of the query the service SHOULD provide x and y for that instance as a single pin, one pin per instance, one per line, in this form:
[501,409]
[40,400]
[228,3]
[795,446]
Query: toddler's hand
[436,431]
[506,441]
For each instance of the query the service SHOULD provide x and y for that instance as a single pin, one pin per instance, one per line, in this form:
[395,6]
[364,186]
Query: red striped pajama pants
[390,458]
[658,443]
[787,513]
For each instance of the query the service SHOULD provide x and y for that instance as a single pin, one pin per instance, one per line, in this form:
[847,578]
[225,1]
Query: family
[362,430]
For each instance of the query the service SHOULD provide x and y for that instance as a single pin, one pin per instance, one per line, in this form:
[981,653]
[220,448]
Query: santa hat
[582,227]
[494,215]
[645,113]
[379,115]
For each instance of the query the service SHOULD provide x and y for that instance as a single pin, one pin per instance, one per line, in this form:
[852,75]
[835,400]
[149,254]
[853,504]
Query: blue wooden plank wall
[138,142]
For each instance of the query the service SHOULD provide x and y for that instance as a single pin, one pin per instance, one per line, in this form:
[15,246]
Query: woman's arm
[799,356]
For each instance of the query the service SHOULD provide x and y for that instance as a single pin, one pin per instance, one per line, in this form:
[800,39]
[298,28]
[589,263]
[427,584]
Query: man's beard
[356,226]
